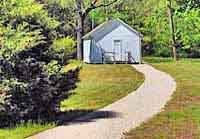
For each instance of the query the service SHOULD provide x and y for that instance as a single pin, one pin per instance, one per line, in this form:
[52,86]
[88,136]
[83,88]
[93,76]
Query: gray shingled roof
[103,29]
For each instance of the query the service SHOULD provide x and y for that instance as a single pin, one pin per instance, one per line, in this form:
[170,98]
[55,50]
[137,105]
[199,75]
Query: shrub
[182,53]
[52,68]
[73,64]
[28,69]
[162,51]
[27,90]
[32,93]
[194,52]
[64,45]
[63,48]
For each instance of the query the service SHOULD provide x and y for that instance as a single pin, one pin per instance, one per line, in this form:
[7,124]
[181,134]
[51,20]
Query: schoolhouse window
[117,43]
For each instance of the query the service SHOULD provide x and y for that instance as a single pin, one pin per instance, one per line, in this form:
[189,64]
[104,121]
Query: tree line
[153,18]
[165,24]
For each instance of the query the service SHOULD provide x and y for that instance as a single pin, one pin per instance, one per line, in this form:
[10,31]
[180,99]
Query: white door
[118,50]
[86,51]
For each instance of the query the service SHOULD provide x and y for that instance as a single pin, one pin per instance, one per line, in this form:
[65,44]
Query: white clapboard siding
[102,42]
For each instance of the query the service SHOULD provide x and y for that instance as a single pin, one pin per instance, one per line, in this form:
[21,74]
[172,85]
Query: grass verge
[22,131]
[181,117]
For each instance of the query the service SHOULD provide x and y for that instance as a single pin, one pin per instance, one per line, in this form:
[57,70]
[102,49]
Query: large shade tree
[82,9]
[172,26]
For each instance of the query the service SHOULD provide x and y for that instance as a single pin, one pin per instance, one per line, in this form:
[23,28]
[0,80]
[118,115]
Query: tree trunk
[171,22]
[80,33]
[81,15]
[80,30]
[174,53]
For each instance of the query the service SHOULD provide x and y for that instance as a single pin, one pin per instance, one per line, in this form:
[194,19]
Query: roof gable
[100,31]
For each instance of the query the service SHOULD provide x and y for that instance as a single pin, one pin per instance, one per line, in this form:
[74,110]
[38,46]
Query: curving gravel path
[123,115]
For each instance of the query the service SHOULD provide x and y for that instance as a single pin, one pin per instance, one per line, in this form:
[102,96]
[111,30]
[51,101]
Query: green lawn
[181,117]
[23,131]
[99,86]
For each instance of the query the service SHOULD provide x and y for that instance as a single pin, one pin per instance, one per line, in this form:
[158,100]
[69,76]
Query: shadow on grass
[63,119]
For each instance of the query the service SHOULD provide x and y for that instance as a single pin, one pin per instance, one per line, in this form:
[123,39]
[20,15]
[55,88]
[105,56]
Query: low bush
[162,51]
[64,48]
[31,84]
[32,93]
[53,67]
[194,52]
[65,45]
[73,64]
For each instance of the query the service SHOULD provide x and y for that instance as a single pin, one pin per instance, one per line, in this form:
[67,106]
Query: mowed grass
[101,85]
[180,118]
[22,131]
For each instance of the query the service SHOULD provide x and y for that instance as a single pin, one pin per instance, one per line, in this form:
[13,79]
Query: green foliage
[22,23]
[97,16]
[16,40]
[188,27]
[73,65]
[162,51]
[150,17]
[65,45]
[63,11]
[62,3]
[27,70]
[52,68]
[29,85]
[20,10]
[189,4]
[157,28]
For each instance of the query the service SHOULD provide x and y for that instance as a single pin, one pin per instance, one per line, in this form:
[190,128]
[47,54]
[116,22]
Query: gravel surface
[129,112]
